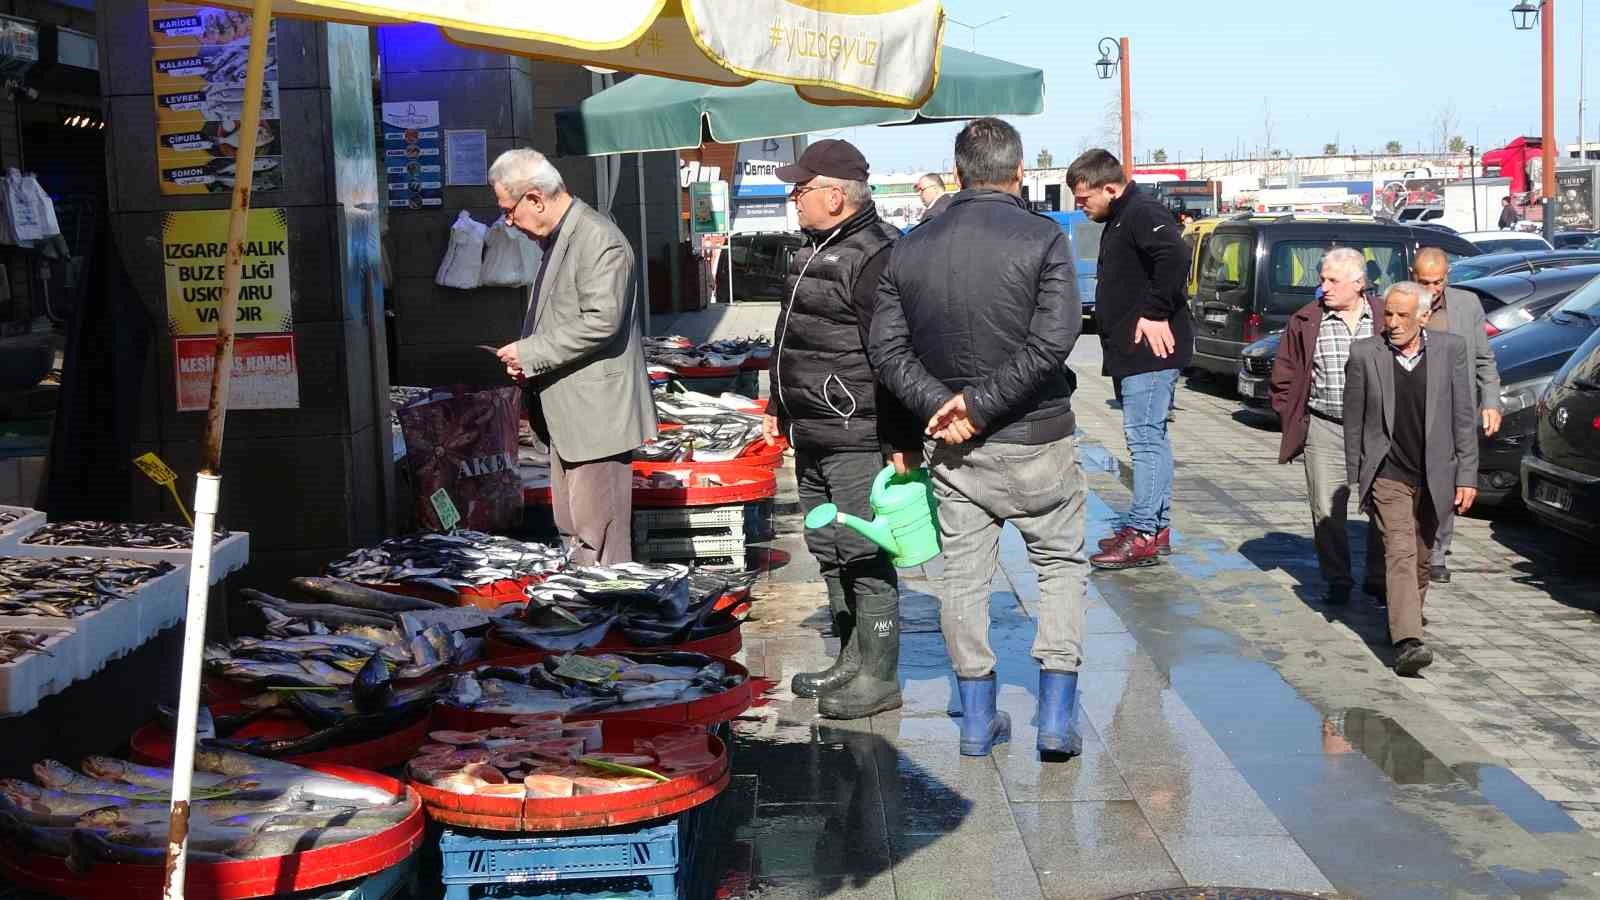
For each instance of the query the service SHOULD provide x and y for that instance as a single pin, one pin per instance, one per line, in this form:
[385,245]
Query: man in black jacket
[977,313]
[839,421]
[1146,337]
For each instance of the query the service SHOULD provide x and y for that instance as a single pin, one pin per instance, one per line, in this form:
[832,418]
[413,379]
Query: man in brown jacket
[1307,389]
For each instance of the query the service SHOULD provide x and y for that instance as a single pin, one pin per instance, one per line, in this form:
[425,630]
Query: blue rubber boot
[1058,714]
[982,726]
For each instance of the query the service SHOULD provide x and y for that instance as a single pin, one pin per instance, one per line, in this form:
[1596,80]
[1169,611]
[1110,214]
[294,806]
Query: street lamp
[974,28]
[1523,16]
[1104,67]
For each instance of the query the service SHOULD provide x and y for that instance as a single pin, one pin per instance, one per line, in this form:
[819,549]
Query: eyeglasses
[800,190]
[926,188]
[508,213]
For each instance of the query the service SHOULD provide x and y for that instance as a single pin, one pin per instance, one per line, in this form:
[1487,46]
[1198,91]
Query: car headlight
[1509,318]
[1523,395]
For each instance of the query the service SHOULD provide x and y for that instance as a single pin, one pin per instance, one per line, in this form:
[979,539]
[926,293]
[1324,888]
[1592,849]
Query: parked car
[1508,262]
[760,264]
[1529,358]
[1496,241]
[1255,364]
[1083,236]
[1253,272]
[1511,301]
[1569,240]
[1561,472]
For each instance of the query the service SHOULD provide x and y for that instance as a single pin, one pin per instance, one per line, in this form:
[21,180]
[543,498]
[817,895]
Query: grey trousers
[593,506]
[1329,491]
[1042,491]
[863,570]
[1441,541]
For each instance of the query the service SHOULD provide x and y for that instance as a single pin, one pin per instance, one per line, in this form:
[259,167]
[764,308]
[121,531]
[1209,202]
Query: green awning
[647,113]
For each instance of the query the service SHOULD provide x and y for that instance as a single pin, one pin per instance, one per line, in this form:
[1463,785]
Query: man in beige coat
[579,356]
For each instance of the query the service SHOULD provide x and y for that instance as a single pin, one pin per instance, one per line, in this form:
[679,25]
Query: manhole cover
[1218,894]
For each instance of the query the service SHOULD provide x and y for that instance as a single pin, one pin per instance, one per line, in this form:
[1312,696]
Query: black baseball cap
[832,157]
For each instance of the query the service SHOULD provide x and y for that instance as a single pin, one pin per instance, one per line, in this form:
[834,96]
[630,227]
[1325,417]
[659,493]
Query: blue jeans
[1146,400]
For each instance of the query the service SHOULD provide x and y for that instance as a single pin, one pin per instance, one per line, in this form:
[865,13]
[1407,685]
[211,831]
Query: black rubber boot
[810,684]
[876,687]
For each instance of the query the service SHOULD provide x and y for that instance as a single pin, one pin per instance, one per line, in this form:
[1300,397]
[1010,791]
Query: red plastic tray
[151,745]
[769,458]
[594,811]
[750,483]
[704,711]
[484,596]
[726,644]
[232,880]
[705,371]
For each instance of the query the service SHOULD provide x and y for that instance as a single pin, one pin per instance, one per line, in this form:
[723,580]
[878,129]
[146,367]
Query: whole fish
[54,803]
[372,690]
[203,836]
[282,842]
[160,779]
[49,840]
[325,674]
[230,763]
[249,803]
[345,593]
[90,847]
[338,616]
[58,776]
[349,816]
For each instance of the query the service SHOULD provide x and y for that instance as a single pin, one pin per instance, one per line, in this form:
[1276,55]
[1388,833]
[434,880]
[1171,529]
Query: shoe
[1134,550]
[845,666]
[1163,540]
[1338,595]
[982,726]
[1375,590]
[1412,657]
[1439,574]
[1424,621]
[876,685]
[1058,714]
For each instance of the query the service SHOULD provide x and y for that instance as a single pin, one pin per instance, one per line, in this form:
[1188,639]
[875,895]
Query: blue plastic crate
[641,863]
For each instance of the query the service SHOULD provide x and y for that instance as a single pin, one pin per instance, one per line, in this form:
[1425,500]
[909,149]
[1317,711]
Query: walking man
[840,423]
[1460,313]
[1307,390]
[1412,448]
[1146,337]
[977,313]
[930,190]
[579,352]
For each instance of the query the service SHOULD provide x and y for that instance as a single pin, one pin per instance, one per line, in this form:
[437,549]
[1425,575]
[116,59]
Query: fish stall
[728,364]
[151,542]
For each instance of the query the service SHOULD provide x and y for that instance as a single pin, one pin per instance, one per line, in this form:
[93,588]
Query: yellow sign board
[194,246]
[158,471]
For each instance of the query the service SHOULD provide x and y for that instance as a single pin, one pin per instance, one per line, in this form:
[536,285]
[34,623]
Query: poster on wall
[413,159]
[1575,188]
[266,373]
[468,152]
[708,204]
[193,247]
[197,66]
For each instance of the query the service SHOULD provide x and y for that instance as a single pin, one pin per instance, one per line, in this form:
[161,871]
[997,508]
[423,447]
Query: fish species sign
[157,471]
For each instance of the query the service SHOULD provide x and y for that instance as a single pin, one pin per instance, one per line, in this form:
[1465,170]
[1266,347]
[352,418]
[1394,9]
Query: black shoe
[876,686]
[1338,595]
[1412,657]
[1439,574]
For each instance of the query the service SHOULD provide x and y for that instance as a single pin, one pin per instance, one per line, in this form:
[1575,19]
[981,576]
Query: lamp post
[1104,67]
[974,28]
[1523,17]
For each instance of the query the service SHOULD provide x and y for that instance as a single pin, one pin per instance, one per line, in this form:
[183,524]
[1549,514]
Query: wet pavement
[1237,732]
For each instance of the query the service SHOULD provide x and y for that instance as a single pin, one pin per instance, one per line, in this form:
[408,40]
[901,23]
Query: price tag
[586,668]
[159,472]
[449,518]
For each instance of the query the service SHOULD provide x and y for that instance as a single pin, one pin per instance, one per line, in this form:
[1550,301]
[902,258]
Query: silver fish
[58,776]
[111,769]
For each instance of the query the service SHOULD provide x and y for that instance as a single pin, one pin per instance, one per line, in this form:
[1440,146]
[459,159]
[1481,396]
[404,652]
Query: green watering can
[904,517]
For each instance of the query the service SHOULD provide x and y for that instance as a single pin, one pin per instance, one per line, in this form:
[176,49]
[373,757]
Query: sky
[1360,73]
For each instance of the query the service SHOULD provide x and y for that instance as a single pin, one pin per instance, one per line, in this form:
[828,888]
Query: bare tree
[1445,121]
[1267,126]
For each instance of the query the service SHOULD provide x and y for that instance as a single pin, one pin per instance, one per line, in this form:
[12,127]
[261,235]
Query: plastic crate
[691,546]
[684,517]
[571,865]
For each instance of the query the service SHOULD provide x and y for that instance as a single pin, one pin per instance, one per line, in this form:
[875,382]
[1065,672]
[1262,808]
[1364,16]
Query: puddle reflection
[1387,743]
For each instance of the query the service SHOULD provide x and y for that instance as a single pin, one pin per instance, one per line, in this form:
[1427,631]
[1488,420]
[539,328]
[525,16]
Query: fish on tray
[553,758]
[244,808]
[572,685]
[68,586]
[137,535]
[448,562]
[653,605]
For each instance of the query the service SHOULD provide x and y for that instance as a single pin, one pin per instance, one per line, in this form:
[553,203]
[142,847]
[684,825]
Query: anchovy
[141,536]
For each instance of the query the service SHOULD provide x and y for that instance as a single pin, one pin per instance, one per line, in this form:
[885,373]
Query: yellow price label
[162,474]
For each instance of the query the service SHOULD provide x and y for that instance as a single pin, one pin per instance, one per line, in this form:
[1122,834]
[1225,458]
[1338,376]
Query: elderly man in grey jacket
[1460,313]
[579,356]
[1411,447]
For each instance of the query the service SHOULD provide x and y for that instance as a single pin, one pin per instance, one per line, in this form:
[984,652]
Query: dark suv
[1561,473]
[760,265]
[1254,271]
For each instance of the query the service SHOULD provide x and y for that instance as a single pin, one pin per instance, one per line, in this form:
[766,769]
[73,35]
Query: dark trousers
[1405,515]
[863,569]
[593,506]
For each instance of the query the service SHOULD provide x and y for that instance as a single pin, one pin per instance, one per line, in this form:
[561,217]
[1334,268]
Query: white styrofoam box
[34,676]
[161,603]
[227,555]
[30,521]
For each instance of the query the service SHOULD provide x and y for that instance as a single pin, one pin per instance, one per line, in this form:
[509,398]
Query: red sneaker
[1163,540]
[1134,550]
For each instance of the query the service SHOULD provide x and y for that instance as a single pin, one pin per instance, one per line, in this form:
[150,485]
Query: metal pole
[208,483]
[1547,32]
[644,242]
[1472,170]
[1127,113]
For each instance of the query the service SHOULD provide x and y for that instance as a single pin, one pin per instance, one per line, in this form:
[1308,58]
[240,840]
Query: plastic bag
[27,214]
[465,446]
[462,267]
[510,259]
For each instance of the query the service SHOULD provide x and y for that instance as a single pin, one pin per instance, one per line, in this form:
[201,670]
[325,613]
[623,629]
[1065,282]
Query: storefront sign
[194,244]
[265,372]
[197,65]
[709,204]
[413,157]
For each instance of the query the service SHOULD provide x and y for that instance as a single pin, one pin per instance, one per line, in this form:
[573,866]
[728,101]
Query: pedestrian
[1508,214]
[977,313]
[1146,339]
[840,422]
[1460,313]
[579,352]
[931,191]
[1307,391]
[1411,446]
